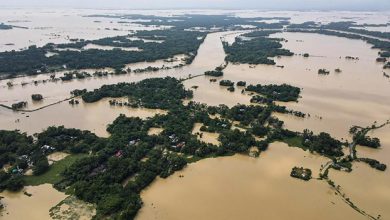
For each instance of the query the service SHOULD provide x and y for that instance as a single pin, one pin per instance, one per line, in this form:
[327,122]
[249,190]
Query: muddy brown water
[240,187]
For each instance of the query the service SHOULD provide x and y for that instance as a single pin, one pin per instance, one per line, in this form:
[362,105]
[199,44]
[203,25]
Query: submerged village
[113,125]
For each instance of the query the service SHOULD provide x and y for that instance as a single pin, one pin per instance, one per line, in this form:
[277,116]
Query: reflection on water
[241,187]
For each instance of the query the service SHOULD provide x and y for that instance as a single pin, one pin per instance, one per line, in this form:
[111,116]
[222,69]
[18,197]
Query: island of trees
[5,26]
[301,173]
[257,50]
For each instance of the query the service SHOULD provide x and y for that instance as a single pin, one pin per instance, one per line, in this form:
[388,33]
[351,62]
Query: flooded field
[93,117]
[359,95]
[241,187]
[42,198]
[373,193]
[206,137]
[237,187]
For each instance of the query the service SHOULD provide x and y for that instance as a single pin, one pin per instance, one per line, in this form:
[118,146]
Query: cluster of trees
[20,152]
[78,92]
[322,143]
[307,24]
[241,83]
[19,105]
[209,22]
[226,82]
[255,51]
[283,92]
[5,26]
[154,93]
[368,141]
[36,97]
[373,163]
[262,33]
[33,60]
[215,73]
[261,99]
[344,26]
[323,72]
[348,26]
[384,54]
[301,173]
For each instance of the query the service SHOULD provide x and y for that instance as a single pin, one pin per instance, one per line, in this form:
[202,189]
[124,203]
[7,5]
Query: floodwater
[96,116]
[42,26]
[86,116]
[207,137]
[373,193]
[155,131]
[359,95]
[241,187]
[36,207]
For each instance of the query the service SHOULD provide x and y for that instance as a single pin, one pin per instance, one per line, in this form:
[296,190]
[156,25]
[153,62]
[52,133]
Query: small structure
[119,154]
[301,173]
[47,148]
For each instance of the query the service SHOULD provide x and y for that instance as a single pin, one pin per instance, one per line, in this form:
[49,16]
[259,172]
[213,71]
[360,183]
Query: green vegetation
[215,73]
[162,93]
[206,22]
[255,51]
[226,82]
[36,97]
[348,27]
[53,174]
[301,173]
[323,144]
[263,33]
[373,163]
[19,105]
[34,61]
[5,26]
[360,137]
[307,24]
[296,141]
[241,83]
[323,72]
[284,92]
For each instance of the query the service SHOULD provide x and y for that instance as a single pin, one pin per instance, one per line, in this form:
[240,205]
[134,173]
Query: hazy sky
[201,4]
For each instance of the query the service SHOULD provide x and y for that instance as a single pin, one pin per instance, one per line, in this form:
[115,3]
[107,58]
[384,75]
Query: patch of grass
[295,142]
[53,174]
